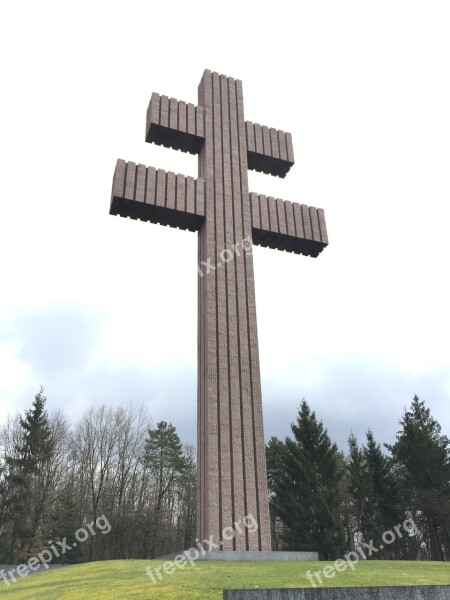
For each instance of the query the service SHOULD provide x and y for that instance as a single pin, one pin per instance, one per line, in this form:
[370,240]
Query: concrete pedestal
[413,592]
[242,555]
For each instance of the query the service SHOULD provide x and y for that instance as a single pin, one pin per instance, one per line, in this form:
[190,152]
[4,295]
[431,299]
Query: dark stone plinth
[414,592]
[248,556]
[244,555]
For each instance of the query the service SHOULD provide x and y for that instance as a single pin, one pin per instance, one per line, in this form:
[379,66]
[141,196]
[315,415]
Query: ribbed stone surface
[175,124]
[268,150]
[232,476]
[157,196]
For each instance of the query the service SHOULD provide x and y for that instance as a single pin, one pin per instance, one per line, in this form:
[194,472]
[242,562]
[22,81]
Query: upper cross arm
[268,150]
[175,124]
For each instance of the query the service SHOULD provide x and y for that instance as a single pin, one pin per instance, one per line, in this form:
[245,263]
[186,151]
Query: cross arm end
[175,124]
[154,195]
[268,150]
[289,226]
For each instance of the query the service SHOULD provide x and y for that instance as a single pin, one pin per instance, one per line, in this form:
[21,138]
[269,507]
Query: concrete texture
[429,592]
[232,477]
[241,555]
[245,556]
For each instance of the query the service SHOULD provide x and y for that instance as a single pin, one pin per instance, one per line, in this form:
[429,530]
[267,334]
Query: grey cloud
[54,340]
[353,394]
[349,393]
[169,394]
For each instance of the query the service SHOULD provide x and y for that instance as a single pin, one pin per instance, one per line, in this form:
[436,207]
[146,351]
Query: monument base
[246,555]
[250,555]
[414,592]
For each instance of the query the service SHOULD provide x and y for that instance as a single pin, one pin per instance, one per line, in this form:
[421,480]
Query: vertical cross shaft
[232,477]
[231,451]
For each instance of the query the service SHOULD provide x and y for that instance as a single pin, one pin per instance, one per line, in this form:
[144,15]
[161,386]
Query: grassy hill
[127,579]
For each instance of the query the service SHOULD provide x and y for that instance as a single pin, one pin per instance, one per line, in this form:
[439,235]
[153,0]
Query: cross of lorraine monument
[232,477]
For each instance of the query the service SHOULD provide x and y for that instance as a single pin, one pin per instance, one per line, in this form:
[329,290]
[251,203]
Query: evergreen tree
[376,497]
[166,464]
[23,509]
[347,505]
[37,439]
[276,460]
[388,509]
[65,523]
[360,489]
[422,456]
[187,500]
[305,490]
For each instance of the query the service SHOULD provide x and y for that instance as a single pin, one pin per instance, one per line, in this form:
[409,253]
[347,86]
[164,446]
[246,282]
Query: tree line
[56,478]
[322,499]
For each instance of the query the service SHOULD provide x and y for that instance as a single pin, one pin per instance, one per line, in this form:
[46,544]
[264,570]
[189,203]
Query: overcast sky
[99,309]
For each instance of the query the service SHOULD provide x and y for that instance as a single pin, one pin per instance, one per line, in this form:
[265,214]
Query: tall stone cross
[232,478]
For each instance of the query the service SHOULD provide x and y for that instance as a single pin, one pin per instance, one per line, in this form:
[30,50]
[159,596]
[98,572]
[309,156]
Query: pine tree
[422,456]
[376,497]
[387,507]
[187,500]
[66,522]
[276,460]
[306,495]
[360,487]
[166,463]
[37,439]
[23,508]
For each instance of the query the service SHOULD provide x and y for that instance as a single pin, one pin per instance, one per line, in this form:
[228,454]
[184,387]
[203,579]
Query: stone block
[268,150]
[426,592]
[175,124]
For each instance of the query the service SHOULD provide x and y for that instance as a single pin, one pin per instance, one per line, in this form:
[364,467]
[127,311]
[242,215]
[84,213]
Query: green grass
[127,579]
